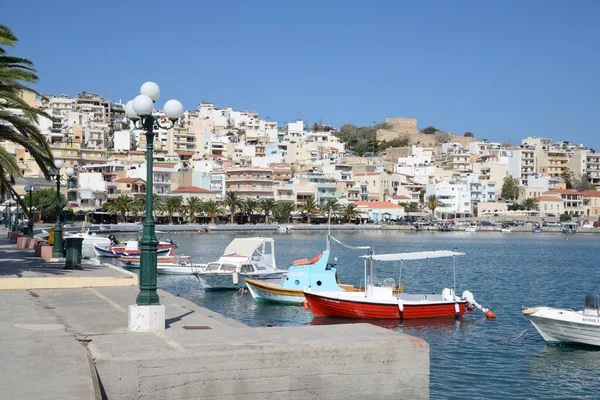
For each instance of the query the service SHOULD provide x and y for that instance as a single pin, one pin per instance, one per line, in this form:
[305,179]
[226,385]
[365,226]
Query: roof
[136,152]
[185,153]
[590,193]
[548,198]
[420,255]
[376,204]
[191,189]
[401,197]
[129,180]
[245,246]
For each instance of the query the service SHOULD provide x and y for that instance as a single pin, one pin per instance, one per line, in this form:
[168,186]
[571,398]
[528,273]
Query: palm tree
[249,205]
[530,204]
[433,203]
[193,205]
[284,210]
[309,208]
[331,206]
[157,204]
[350,211]
[18,120]
[267,205]
[212,208]
[171,205]
[233,201]
[121,205]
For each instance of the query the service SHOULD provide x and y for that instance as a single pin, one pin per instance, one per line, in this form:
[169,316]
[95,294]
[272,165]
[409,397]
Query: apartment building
[250,181]
[522,163]
[593,168]
[454,199]
[553,163]
[572,200]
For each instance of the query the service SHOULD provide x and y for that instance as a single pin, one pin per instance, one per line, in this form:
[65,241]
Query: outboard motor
[113,239]
[172,243]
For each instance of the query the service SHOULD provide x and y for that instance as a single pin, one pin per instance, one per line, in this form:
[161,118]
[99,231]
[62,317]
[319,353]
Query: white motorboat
[176,265]
[284,229]
[471,228]
[91,238]
[243,258]
[505,230]
[565,326]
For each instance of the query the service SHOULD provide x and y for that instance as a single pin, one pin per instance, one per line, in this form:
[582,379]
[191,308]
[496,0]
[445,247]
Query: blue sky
[513,68]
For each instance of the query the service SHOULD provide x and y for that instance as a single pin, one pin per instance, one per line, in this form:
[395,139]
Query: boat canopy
[245,246]
[420,255]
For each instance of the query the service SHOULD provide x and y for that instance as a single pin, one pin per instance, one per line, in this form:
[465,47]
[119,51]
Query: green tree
[350,211]
[309,208]
[18,120]
[45,202]
[411,207]
[468,134]
[284,210]
[315,127]
[213,209]
[430,130]
[515,207]
[432,203]
[172,205]
[569,178]
[121,206]
[192,206]
[233,201]
[585,184]
[249,205]
[267,205]
[333,206]
[530,204]
[510,188]
[565,217]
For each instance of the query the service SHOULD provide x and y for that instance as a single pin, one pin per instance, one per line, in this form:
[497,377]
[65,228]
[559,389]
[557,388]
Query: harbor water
[472,357]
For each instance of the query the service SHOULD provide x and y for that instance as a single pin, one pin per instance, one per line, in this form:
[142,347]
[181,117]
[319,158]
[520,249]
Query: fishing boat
[284,229]
[177,265]
[243,258]
[446,228]
[537,229]
[132,248]
[320,272]
[565,326]
[380,302]
[569,228]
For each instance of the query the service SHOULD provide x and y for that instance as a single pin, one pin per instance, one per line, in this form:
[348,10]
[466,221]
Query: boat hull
[111,252]
[276,293]
[361,307]
[560,326]
[225,281]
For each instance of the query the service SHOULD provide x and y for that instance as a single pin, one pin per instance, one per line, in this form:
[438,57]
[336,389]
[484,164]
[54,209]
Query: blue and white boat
[319,273]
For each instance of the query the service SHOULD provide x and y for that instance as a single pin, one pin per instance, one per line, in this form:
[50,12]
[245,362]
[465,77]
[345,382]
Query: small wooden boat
[565,326]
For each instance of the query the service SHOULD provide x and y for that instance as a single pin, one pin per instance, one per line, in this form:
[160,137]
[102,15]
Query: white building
[420,164]
[522,163]
[454,200]
[91,190]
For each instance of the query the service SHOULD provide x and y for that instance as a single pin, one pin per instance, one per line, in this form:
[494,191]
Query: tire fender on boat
[456,308]
[400,306]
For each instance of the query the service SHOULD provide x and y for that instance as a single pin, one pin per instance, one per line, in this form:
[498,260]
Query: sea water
[471,357]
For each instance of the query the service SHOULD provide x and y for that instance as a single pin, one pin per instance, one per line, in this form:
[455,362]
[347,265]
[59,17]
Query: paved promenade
[74,344]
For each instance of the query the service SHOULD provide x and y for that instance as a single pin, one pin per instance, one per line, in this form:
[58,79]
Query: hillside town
[214,151]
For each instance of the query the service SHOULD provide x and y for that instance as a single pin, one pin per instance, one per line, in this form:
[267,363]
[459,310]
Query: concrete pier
[200,354]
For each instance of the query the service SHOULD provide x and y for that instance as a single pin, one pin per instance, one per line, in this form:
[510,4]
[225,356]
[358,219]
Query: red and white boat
[380,302]
[132,249]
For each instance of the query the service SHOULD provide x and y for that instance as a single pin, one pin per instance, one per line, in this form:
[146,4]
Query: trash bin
[26,231]
[73,256]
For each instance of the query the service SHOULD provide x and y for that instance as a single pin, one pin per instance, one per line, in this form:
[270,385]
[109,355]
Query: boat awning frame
[420,255]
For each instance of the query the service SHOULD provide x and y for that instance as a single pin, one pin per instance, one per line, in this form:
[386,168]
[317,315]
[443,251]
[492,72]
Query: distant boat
[537,229]
[446,228]
[505,230]
[471,228]
[565,326]
[569,228]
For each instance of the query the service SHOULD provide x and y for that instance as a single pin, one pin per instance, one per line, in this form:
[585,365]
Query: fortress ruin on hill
[406,128]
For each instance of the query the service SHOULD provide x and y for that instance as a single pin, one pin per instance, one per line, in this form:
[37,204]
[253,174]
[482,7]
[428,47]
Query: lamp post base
[146,318]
